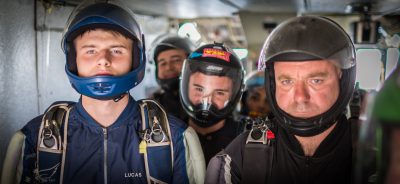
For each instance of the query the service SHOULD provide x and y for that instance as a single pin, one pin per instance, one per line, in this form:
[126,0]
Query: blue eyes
[290,82]
[286,82]
[316,81]
[114,51]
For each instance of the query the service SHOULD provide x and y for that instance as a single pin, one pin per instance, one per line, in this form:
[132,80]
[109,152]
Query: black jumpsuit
[331,163]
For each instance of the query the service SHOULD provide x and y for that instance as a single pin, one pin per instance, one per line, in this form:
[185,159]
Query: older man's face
[307,88]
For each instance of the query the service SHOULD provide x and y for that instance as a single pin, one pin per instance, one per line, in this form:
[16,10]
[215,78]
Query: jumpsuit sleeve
[195,163]
[13,162]
[225,166]
[219,169]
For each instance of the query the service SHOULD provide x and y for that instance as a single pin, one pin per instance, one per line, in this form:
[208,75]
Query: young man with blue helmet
[107,136]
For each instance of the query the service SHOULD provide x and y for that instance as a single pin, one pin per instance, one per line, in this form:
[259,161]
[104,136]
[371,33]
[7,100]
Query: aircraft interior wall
[32,62]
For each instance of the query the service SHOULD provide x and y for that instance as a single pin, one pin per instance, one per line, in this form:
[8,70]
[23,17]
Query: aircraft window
[369,68]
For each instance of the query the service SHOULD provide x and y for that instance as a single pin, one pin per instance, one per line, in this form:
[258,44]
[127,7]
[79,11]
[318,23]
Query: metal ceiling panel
[269,6]
[187,9]
[183,9]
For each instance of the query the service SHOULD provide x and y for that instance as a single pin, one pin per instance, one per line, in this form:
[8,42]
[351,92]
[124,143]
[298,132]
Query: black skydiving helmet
[167,43]
[303,39]
[110,15]
[211,84]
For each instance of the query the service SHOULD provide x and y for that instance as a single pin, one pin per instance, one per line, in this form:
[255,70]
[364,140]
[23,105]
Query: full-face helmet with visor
[211,84]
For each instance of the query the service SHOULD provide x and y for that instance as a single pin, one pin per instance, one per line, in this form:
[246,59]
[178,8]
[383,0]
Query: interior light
[190,31]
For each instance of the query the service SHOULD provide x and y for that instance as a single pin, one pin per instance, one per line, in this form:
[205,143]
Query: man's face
[306,89]
[256,100]
[169,63]
[209,89]
[101,52]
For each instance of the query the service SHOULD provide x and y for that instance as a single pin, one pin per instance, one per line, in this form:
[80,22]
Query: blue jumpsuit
[104,155]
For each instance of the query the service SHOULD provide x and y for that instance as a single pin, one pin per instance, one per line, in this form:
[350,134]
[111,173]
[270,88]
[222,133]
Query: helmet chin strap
[118,98]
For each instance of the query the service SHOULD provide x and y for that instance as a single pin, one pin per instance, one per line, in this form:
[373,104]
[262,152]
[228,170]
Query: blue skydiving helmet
[110,17]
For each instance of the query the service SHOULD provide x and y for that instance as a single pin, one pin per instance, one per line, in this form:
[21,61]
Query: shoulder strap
[156,144]
[258,153]
[51,147]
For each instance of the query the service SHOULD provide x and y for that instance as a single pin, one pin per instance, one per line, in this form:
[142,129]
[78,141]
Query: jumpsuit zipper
[307,169]
[105,154]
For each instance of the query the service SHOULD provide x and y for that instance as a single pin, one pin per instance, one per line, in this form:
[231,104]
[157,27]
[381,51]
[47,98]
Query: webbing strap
[64,145]
[258,153]
[51,146]
[257,163]
[158,156]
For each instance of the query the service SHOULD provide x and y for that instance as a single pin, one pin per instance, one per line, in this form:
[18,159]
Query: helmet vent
[101,87]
